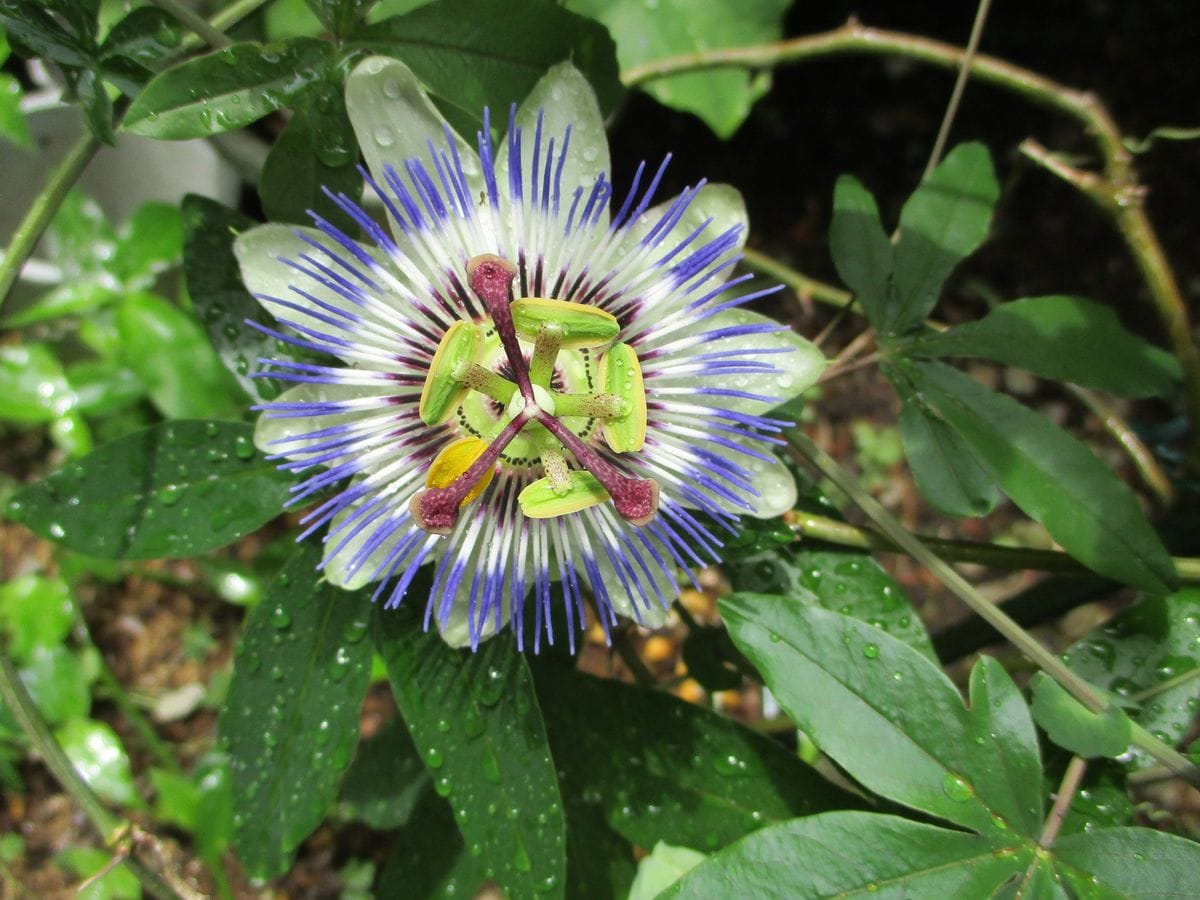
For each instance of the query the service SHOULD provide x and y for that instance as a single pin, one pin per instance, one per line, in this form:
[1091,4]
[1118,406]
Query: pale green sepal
[272,428]
[541,500]
[456,630]
[798,368]
[775,483]
[260,253]
[621,376]
[442,392]
[394,120]
[564,97]
[582,326]
[722,203]
[337,567]
[647,611]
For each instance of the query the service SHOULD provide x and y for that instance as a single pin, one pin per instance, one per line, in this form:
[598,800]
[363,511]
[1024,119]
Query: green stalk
[804,448]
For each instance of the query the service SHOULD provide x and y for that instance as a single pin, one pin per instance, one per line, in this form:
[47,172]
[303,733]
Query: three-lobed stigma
[529,406]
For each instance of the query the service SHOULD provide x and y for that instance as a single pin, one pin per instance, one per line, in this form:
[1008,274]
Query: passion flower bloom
[531,384]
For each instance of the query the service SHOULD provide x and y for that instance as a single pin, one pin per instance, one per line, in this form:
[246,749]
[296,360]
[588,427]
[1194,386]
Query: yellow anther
[453,460]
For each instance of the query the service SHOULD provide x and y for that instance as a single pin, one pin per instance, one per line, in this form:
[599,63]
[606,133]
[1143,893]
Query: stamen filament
[545,353]
[635,499]
[485,381]
[491,278]
[593,406]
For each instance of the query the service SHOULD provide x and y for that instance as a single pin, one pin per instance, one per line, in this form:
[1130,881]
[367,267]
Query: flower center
[523,419]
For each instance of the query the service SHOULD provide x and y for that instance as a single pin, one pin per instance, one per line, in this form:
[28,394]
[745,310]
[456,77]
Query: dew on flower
[540,386]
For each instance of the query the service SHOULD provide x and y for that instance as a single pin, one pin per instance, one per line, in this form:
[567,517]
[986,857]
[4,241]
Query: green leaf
[35,611]
[856,853]
[219,297]
[294,174]
[428,857]
[31,27]
[176,489]
[476,53]
[841,580]
[1101,802]
[290,722]
[103,387]
[12,120]
[946,470]
[171,355]
[1148,656]
[861,250]
[1072,726]
[98,756]
[97,105]
[661,868]
[662,769]
[148,244]
[475,720]
[33,388]
[225,90]
[57,683]
[105,881]
[646,32]
[384,783]
[175,799]
[214,806]
[1130,862]
[892,719]
[1064,338]
[1054,478]
[73,298]
[137,45]
[338,16]
[943,222]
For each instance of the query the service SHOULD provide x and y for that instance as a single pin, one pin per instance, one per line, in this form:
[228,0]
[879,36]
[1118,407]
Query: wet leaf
[294,174]
[1148,656]
[661,868]
[33,388]
[225,90]
[853,853]
[475,720]
[1066,339]
[290,722]
[150,242]
[861,250]
[864,697]
[428,857]
[100,759]
[1128,862]
[175,489]
[842,580]
[477,53]
[105,881]
[384,783]
[1050,475]
[171,355]
[649,31]
[1072,726]
[220,299]
[657,768]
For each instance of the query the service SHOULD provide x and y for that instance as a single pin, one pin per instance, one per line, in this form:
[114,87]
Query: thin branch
[960,84]
[1116,191]
[803,285]
[804,449]
[1067,789]
[194,23]
[997,556]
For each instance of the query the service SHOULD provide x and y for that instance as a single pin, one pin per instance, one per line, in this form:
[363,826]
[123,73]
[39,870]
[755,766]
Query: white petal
[722,203]
[797,363]
[564,98]
[272,428]
[395,121]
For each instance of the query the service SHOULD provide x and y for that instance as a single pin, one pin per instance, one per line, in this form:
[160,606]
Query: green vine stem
[806,450]
[1116,190]
[37,219]
[810,525]
[1067,788]
[190,20]
[114,831]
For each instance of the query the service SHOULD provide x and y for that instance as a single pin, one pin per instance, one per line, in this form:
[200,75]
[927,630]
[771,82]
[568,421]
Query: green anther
[443,392]
[582,325]
[545,352]
[621,376]
[591,406]
[543,500]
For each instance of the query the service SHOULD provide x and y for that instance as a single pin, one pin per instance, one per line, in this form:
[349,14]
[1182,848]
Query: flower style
[526,387]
